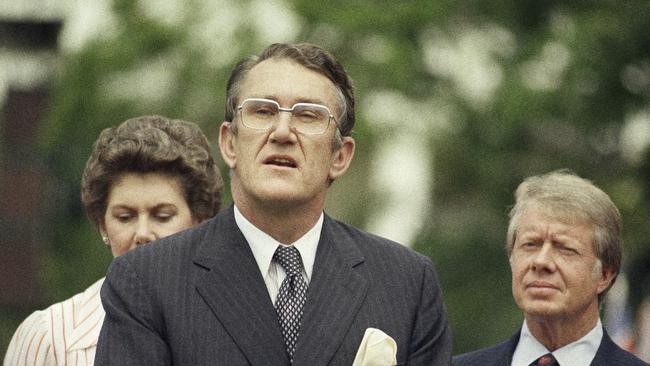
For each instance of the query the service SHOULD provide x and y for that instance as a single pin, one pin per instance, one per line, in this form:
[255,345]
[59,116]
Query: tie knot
[289,259]
[546,360]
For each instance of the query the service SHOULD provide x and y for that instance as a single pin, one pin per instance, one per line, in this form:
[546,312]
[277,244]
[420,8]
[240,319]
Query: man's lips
[281,160]
[541,286]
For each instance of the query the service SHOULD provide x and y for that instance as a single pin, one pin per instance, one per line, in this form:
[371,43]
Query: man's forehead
[542,222]
[561,211]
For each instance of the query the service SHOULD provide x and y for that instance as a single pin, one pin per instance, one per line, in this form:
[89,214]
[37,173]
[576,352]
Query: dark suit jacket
[198,298]
[608,354]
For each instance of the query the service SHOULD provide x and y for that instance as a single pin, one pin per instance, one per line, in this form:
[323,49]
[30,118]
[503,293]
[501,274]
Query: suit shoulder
[618,356]
[33,331]
[36,322]
[629,359]
[609,353]
[180,244]
[374,245]
[50,333]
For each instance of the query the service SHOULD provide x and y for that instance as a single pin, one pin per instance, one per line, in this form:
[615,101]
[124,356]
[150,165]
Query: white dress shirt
[263,247]
[578,353]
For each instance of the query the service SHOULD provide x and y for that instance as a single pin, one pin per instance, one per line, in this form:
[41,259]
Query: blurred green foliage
[520,131]
[481,156]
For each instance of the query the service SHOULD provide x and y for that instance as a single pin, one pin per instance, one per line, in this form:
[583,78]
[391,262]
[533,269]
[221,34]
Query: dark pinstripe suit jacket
[198,298]
[608,354]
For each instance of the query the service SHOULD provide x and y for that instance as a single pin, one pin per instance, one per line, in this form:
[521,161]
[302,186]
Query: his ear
[342,158]
[607,276]
[227,144]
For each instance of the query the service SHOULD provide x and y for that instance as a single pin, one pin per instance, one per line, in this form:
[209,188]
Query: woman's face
[142,207]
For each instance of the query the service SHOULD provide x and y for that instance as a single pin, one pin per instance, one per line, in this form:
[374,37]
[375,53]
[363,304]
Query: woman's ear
[102,232]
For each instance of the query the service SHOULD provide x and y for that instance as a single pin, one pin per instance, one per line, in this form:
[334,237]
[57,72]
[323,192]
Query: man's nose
[545,257]
[282,129]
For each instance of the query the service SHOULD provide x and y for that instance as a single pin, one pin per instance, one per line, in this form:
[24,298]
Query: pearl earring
[105,240]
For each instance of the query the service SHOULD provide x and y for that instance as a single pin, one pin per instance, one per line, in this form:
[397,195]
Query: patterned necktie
[291,297]
[546,360]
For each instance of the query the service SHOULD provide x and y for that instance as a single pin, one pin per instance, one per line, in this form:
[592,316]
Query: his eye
[307,115]
[568,251]
[529,245]
[261,109]
[264,111]
[310,112]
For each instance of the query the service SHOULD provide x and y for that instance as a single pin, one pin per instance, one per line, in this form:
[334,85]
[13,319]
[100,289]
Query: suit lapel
[505,353]
[335,294]
[606,351]
[235,291]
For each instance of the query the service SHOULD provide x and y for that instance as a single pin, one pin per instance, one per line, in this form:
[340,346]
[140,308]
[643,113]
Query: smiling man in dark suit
[272,280]
[564,245]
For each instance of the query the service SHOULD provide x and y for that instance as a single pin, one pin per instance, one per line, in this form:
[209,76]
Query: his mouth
[540,284]
[282,161]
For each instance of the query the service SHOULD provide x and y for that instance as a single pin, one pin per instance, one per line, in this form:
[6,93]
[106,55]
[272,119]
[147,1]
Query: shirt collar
[263,245]
[578,353]
[582,351]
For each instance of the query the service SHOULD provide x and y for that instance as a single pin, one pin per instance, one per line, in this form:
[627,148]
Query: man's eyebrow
[299,100]
[311,100]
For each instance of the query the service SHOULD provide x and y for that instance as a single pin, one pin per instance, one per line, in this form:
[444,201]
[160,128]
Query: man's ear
[227,144]
[342,158]
[607,276]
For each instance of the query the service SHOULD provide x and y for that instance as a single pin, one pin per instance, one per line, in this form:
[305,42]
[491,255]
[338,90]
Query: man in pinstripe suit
[209,295]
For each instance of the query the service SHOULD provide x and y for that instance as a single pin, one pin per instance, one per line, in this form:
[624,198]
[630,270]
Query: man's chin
[541,309]
[278,198]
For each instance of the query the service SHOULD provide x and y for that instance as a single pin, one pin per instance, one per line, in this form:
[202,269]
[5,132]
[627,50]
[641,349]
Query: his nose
[282,129]
[143,233]
[544,258]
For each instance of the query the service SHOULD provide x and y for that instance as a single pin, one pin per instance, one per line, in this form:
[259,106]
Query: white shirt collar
[578,353]
[263,245]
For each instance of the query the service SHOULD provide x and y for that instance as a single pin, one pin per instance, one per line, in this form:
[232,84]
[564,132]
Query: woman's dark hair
[153,144]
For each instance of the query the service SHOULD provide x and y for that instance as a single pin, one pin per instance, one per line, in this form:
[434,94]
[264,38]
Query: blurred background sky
[457,102]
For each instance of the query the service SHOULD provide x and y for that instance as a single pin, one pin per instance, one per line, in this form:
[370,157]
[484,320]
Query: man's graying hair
[309,56]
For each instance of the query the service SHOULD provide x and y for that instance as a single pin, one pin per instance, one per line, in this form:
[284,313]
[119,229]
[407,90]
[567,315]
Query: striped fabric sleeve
[32,342]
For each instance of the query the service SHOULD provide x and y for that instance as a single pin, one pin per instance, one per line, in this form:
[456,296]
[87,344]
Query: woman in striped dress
[147,178]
